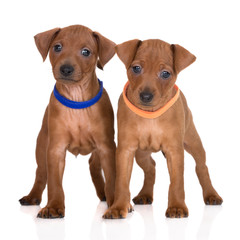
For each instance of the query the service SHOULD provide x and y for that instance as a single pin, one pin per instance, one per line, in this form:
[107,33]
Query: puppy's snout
[146,97]
[66,70]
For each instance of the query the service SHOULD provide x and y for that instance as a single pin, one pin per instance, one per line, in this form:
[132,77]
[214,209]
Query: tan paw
[143,199]
[213,200]
[177,212]
[117,212]
[30,200]
[50,212]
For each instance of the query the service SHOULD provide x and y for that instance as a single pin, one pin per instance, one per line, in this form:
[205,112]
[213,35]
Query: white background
[207,28]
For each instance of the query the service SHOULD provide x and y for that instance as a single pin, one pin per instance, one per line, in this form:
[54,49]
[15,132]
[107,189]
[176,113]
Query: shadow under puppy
[153,116]
[79,117]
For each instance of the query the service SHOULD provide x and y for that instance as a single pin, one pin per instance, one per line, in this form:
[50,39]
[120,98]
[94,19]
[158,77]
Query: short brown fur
[170,133]
[80,131]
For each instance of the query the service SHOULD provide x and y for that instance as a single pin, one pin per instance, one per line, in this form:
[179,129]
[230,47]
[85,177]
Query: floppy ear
[105,49]
[43,41]
[182,58]
[127,51]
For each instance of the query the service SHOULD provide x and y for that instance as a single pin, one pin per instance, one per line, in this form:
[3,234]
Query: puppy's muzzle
[66,70]
[146,97]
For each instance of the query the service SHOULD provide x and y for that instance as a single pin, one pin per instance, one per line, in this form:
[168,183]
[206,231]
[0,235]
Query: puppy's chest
[150,136]
[81,131]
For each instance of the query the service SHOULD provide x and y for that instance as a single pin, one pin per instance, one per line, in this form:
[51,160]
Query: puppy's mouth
[145,104]
[67,80]
[73,78]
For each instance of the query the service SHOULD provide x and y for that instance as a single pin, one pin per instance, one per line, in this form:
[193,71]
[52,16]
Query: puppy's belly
[80,149]
[150,143]
[150,136]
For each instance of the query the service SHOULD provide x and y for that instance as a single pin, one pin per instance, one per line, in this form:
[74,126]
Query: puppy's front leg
[55,167]
[176,196]
[121,205]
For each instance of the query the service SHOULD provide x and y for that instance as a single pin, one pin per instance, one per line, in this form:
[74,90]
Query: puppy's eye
[136,69]
[165,74]
[85,52]
[57,48]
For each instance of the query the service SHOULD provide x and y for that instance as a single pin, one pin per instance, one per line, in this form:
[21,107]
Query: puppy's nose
[66,70]
[146,97]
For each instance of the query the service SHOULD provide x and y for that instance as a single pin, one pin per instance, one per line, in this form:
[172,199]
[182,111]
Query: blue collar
[78,105]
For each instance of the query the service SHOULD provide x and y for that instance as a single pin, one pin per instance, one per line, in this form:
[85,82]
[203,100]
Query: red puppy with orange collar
[153,116]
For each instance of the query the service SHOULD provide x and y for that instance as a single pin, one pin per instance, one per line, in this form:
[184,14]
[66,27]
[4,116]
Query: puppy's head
[152,68]
[74,52]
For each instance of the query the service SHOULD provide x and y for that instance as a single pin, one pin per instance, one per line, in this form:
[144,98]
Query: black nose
[66,70]
[146,97]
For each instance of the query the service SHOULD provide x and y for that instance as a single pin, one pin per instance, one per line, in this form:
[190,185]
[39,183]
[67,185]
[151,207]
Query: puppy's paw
[51,212]
[213,200]
[101,195]
[29,200]
[115,212]
[177,212]
[103,199]
[143,199]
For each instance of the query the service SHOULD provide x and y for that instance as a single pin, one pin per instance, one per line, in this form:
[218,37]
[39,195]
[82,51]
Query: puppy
[78,118]
[153,116]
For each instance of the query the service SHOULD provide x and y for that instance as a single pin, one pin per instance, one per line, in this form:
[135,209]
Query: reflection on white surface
[146,212]
[96,231]
[177,228]
[116,229]
[209,215]
[46,229]
[145,223]
[30,210]
[49,229]
[142,223]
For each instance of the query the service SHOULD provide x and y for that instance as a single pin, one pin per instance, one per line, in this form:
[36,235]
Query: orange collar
[147,114]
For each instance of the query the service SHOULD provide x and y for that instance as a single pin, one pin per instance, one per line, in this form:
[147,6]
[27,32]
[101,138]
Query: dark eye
[57,48]
[85,52]
[136,69]
[165,74]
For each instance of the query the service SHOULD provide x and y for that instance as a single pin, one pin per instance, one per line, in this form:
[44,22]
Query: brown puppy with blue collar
[74,53]
[153,116]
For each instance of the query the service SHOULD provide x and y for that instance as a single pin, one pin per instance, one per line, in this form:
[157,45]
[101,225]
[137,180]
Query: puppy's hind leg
[145,161]
[193,145]
[96,174]
[35,195]
[107,160]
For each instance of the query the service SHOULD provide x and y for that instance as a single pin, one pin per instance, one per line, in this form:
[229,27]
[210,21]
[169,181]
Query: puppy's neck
[84,90]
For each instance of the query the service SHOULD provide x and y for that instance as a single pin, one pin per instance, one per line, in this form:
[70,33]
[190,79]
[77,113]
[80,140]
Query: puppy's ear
[127,51]
[105,49]
[182,58]
[43,41]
